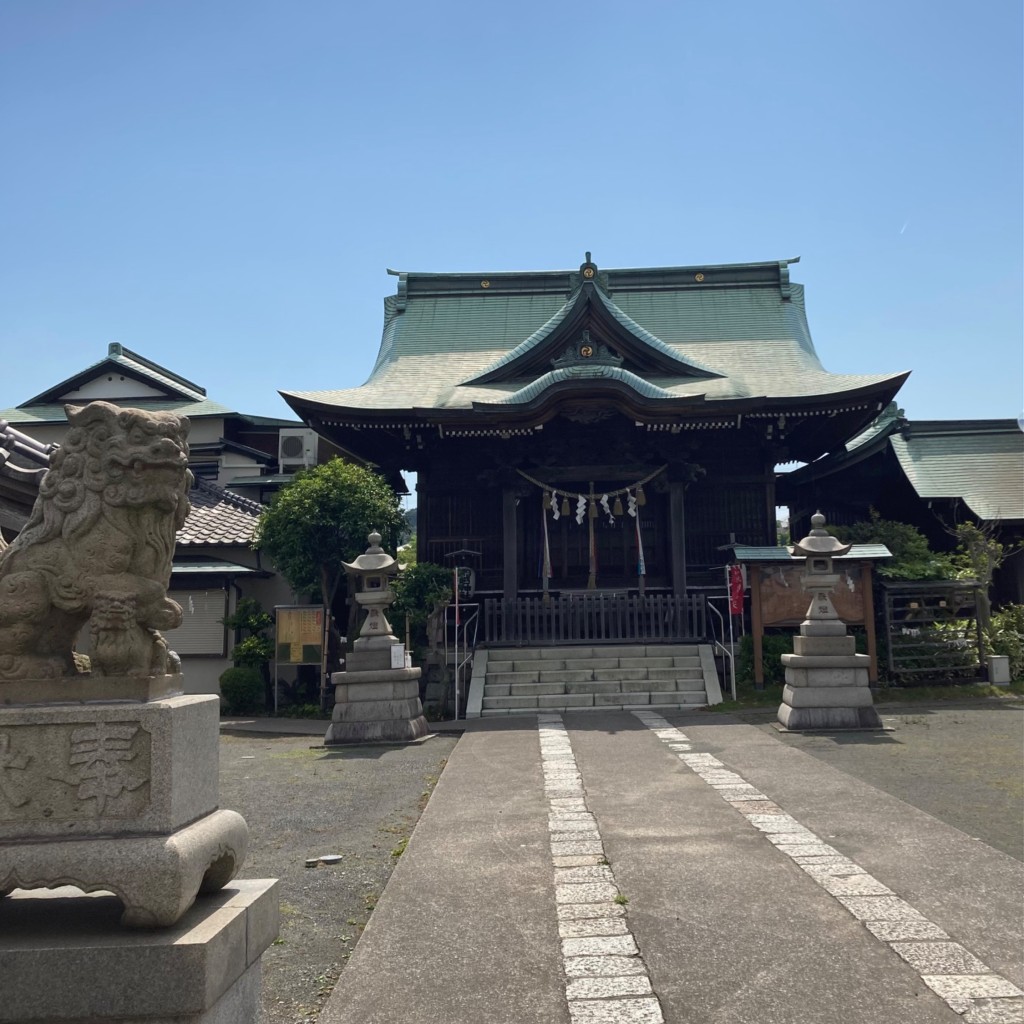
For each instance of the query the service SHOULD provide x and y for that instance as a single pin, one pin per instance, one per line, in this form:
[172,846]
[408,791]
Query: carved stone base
[376,706]
[107,768]
[156,877]
[826,686]
[118,796]
[87,687]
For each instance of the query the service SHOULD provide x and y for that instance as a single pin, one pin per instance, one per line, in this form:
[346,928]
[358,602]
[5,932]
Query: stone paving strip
[606,980]
[965,983]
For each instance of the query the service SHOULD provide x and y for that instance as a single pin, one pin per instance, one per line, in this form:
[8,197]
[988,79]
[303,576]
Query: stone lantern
[374,570]
[819,547]
[826,680]
[373,701]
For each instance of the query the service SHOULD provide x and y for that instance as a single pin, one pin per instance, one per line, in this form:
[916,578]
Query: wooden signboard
[300,634]
[777,598]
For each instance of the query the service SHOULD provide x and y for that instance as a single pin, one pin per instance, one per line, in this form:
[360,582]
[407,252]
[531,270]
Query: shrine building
[596,432]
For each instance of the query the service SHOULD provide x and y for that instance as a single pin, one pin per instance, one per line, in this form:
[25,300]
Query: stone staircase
[519,680]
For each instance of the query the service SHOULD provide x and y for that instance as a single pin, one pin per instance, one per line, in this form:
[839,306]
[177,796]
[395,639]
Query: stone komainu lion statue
[97,548]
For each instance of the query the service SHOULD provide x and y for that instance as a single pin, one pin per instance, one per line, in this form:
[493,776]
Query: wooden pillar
[868,604]
[677,537]
[756,624]
[422,519]
[510,553]
[772,534]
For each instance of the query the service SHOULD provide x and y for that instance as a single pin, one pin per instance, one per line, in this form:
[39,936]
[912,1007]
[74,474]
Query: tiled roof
[857,552]
[218,517]
[54,413]
[123,360]
[744,323]
[981,462]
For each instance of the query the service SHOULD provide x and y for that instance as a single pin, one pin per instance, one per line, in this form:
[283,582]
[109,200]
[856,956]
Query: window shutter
[201,631]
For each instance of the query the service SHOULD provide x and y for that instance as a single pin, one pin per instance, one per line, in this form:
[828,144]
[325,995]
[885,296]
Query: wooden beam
[510,554]
[677,537]
[868,604]
[756,626]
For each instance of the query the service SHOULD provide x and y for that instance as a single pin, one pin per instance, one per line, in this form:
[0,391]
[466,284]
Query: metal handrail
[727,651]
[468,647]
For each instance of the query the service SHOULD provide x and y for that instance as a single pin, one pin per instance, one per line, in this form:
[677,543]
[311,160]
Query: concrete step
[593,687]
[618,674]
[576,664]
[509,703]
[525,680]
[534,689]
[580,702]
[547,665]
[512,677]
[565,676]
[665,674]
[646,661]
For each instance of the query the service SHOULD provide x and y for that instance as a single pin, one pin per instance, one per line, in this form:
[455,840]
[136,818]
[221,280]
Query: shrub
[419,588]
[242,690]
[1005,635]
[774,645]
[912,558]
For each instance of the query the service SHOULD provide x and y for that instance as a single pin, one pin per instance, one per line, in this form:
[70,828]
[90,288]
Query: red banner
[735,590]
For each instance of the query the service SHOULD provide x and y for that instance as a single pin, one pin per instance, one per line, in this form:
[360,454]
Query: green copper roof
[745,324]
[584,374]
[857,552]
[980,462]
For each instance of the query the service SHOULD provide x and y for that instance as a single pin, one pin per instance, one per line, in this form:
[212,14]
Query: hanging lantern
[641,498]
[565,506]
[617,507]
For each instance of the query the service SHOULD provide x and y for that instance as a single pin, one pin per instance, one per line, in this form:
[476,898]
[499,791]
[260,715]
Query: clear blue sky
[220,184]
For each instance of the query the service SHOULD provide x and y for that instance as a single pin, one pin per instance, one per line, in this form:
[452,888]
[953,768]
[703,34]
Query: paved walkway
[617,868]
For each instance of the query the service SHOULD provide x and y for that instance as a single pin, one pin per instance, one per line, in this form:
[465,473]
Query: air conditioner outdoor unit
[296,448]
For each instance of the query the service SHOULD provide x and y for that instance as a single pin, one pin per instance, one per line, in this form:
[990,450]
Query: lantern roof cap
[374,560]
[819,541]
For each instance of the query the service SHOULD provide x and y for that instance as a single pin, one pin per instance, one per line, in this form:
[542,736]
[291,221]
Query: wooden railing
[595,618]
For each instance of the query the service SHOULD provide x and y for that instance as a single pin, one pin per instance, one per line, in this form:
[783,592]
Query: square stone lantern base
[826,683]
[376,705]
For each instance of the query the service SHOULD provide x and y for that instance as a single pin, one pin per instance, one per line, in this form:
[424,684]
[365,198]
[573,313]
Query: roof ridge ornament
[587,351]
[588,268]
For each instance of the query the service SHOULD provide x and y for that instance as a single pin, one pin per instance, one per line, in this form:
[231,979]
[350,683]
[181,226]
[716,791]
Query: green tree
[978,555]
[319,520]
[421,591]
[912,558]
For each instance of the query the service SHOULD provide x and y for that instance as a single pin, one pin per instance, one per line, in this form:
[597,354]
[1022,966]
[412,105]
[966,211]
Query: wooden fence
[595,618]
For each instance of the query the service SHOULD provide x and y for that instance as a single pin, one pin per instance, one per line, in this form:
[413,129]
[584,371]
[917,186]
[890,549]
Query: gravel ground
[302,803]
[964,765]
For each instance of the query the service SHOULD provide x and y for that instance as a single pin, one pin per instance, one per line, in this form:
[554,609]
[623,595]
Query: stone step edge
[495,712]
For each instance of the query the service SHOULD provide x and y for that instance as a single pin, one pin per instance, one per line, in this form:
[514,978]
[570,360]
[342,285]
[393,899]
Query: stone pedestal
[64,959]
[375,704]
[117,796]
[826,681]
